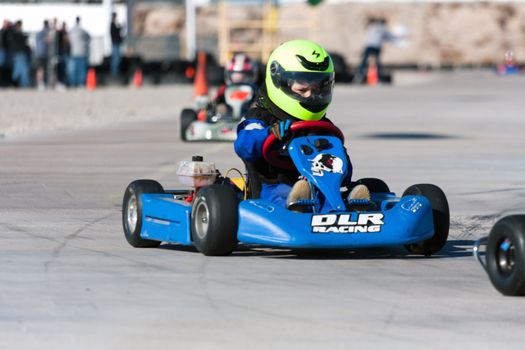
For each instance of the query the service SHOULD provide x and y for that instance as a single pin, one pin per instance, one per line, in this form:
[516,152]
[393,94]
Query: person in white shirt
[79,46]
[376,34]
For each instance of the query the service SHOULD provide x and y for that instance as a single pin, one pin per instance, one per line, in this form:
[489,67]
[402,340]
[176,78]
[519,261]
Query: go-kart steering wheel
[273,145]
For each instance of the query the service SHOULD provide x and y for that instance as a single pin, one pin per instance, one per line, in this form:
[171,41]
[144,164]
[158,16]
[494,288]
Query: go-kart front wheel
[505,255]
[214,220]
[440,216]
[132,212]
[187,116]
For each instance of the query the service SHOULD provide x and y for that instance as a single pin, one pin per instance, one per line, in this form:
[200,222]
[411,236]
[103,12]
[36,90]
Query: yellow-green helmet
[296,65]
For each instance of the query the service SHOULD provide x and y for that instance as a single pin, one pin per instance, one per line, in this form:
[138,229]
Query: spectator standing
[376,34]
[52,53]
[79,43]
[18,46]
[116,42]
[63,54]
[41,53]
[4,52]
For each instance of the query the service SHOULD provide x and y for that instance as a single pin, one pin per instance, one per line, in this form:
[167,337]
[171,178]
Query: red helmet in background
[240,69]
[510,59]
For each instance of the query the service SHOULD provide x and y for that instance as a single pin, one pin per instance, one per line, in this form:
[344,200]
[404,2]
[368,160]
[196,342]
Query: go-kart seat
[254,182]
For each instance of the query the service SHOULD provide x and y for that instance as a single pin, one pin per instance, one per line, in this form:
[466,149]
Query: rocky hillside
[436,33]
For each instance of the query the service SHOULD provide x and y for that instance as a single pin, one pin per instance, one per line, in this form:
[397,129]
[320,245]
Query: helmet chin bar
[314,107]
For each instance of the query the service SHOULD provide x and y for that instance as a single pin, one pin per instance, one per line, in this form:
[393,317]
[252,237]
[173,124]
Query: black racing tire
[341,67]
[132,212]
[440,216]
[214,220]
[505,255]
[374,185]
[386,78]
[187,116]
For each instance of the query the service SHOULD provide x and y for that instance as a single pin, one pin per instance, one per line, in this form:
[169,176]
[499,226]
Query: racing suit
[251,134]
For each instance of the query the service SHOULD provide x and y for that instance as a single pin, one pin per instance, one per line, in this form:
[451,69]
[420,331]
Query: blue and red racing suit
[251,134]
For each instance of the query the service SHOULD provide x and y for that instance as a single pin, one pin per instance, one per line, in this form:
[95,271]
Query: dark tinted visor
[308,87]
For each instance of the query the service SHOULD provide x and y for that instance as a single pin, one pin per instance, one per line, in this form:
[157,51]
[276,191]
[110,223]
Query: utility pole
[191,32]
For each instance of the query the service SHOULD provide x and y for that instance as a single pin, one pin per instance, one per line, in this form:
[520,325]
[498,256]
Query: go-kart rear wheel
[214,220]
[506,255]
[440,216]
[187,116]
[374,185]
[132,212]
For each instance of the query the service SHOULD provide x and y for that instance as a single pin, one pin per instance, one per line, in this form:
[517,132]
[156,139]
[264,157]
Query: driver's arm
[251,134]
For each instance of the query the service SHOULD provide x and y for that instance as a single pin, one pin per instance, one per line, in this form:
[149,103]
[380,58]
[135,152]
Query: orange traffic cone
[91,79]
[137,78]
[200,83]
[372,76]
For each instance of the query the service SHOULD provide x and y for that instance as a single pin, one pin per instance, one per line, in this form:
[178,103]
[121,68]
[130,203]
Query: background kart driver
[298,86]
[240,69]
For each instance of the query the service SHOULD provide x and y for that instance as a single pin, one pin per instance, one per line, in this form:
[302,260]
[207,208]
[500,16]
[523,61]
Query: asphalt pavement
[69,279]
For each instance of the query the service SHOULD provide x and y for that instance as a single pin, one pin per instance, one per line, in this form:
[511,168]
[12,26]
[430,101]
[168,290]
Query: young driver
[240,69]
[298,86]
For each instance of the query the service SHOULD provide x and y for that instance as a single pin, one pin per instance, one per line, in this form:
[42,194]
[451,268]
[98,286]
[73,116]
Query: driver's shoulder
[257,113]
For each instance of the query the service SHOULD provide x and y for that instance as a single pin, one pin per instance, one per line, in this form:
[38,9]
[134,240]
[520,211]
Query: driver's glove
[280,129]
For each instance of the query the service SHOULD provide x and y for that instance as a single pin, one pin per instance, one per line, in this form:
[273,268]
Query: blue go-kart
[215,218]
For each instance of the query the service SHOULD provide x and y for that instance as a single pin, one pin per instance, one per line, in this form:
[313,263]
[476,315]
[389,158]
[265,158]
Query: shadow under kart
[215,215]
[504,255]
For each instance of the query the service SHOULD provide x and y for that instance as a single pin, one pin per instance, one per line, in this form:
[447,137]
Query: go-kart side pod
[505,255]
[400,221]
[440,217]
